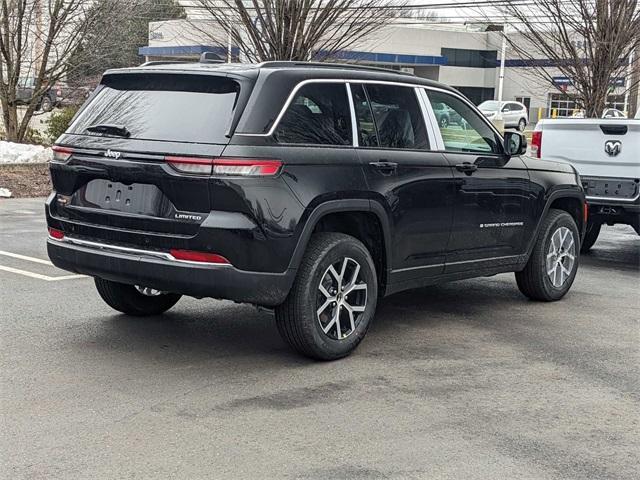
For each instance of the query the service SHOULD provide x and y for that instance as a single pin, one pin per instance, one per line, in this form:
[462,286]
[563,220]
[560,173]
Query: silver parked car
[514,114]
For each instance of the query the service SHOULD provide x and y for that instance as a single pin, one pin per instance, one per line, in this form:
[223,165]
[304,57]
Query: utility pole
[628,83]
[503,53]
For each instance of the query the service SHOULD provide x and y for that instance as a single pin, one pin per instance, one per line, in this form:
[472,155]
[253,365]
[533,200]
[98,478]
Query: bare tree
[587,41]
[37,38]
[294,29]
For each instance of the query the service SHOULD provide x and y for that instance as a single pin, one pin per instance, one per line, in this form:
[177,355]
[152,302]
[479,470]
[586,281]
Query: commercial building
[465,58]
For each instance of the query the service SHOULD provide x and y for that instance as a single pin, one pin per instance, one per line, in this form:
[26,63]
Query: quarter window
[465,130]
[318,115]
[398,117]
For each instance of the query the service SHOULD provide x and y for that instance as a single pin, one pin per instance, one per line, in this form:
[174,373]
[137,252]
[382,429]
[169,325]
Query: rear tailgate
[595,147]
[125,175]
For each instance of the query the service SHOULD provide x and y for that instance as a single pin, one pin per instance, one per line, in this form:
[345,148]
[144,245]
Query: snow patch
[23,153]
[5,193]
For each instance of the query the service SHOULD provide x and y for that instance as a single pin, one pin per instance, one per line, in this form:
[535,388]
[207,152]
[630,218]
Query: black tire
[46,105]
[533,281]
[444,122]
[127,299]
[590,236]
[297,318]
[522,124]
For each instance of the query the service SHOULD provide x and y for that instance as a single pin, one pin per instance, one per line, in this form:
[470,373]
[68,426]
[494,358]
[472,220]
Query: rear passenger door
[413,183]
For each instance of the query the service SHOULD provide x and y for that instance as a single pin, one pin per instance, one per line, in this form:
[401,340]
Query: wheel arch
[571,201]
[361,218]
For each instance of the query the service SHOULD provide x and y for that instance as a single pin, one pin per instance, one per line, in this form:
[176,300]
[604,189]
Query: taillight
[202,166]
[246,167]
[193,256]
[230,166]
[536,143]
[585,212]
[55,233]
[61,154]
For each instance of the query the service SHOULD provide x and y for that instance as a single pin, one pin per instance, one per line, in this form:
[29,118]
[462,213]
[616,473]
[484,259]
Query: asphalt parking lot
[463,381]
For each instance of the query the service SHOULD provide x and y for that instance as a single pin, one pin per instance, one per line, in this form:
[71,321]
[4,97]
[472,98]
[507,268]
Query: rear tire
[325,317]
[553,264]
[129,300]
[590,236]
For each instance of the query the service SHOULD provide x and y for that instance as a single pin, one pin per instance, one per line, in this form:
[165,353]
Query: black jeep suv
[314,189]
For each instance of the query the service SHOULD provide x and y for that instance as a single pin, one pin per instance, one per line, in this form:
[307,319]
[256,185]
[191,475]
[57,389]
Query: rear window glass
[178,108]
[319,114]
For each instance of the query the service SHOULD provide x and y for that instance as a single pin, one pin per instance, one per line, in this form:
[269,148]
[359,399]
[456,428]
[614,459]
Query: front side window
[397,116]
[469,133]
[318,115]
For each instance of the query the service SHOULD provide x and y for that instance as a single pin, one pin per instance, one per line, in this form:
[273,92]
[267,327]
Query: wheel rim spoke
[561,256]
[341,298]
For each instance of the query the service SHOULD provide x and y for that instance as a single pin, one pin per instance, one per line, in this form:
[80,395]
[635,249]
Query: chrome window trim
[431,121]
[131,251]
[354,124]
[301,84]
[287,103]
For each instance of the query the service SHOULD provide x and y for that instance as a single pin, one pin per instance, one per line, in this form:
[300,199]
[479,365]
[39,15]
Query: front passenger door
[492,192]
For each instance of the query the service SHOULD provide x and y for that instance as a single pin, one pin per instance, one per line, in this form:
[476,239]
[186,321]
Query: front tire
[522,124]
[131,300]
[590,236]
[46,105]
[333,299]
[553,264]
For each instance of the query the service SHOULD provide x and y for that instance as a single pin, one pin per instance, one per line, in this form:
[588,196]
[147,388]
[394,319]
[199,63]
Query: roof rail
[350,66]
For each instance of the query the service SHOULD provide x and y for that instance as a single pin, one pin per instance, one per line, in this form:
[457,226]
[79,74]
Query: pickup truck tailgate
[595,147]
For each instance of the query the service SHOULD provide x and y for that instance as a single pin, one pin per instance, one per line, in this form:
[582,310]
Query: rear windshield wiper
[109,129]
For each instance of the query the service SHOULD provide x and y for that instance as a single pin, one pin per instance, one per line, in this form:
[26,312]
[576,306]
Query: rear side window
[318,115]
[397,116]
[178,108]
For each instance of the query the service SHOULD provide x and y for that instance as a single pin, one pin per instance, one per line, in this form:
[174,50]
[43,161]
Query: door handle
[384,166]
[467,167]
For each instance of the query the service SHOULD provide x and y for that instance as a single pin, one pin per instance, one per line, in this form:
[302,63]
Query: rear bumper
[137,267]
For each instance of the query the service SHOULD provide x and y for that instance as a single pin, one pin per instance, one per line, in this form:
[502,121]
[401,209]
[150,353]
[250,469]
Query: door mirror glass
[515,143]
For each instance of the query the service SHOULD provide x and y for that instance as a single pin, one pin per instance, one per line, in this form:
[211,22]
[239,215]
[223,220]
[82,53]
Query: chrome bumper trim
[131,251]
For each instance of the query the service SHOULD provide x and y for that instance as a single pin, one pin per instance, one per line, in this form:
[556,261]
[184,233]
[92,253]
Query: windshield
[490,105]
[164,107]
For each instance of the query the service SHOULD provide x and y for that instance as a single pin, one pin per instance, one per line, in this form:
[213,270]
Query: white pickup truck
[606,154]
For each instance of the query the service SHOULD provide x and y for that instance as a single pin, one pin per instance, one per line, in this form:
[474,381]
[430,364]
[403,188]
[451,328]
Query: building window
[476,94]
[459,57]
[564,105]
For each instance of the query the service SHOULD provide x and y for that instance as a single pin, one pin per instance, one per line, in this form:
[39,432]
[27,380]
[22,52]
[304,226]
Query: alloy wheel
[561,256]
[148,291]
[341,299]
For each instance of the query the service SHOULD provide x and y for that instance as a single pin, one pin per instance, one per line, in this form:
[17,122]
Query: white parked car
[613,113]
[606,113]
[514,114]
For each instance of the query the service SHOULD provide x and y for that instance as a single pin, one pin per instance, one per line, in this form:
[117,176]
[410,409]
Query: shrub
[59,121]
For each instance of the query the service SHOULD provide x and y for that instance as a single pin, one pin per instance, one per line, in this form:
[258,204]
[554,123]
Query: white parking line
[24,257]
[46,278]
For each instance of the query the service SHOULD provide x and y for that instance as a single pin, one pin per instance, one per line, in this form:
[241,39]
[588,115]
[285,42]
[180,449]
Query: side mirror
[515,143]
[505,109]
